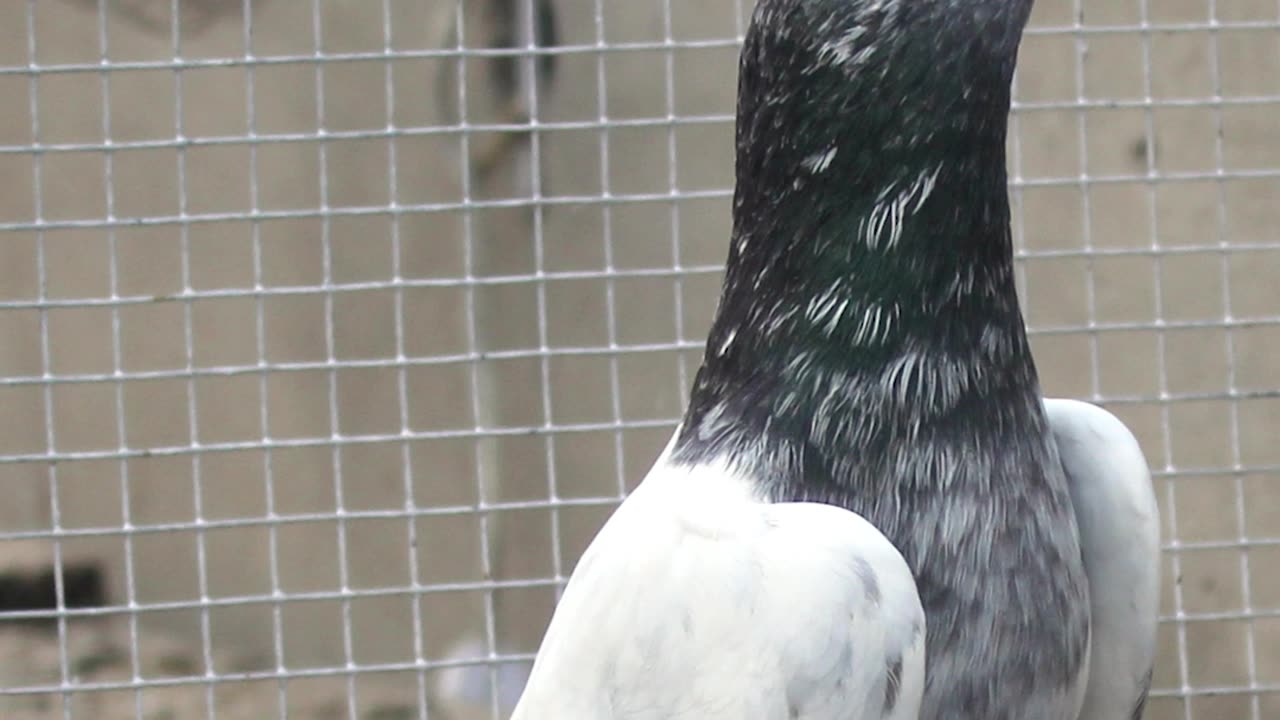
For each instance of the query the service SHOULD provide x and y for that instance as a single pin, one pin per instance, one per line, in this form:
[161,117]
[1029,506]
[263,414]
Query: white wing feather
[697,600]
[1119,523]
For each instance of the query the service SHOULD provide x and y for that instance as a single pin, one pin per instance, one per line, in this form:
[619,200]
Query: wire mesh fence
[332,330]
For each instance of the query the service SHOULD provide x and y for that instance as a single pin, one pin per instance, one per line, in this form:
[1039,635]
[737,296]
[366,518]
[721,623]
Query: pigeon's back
[698,601]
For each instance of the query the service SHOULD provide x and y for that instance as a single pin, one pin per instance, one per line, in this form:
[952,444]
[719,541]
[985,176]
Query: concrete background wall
[1166,287]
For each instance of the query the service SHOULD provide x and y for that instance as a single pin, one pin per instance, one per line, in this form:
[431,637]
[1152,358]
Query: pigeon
[869,511]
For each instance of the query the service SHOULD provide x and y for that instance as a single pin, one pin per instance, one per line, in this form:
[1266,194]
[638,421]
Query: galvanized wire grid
[334,329]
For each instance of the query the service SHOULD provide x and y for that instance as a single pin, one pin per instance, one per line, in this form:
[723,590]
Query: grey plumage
[878,360]
[869,354]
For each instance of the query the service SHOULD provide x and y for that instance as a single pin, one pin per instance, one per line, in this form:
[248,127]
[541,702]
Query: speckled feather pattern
[700,599]
[869,351]
[869,513]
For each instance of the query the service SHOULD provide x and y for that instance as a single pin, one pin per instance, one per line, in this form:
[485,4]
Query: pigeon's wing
[1119,522]
[696,600]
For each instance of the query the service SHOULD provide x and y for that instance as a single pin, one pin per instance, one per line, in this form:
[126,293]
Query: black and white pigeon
[869,512]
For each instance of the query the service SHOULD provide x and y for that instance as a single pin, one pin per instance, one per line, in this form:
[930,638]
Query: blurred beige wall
[1218,259]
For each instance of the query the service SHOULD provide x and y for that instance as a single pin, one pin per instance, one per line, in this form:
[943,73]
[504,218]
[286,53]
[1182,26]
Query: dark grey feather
[869,350]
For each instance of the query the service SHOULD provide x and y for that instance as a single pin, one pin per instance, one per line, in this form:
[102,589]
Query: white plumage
[1120,539]
[698,599]
[969,554]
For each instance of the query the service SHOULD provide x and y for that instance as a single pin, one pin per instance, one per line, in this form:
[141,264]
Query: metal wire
[445,398]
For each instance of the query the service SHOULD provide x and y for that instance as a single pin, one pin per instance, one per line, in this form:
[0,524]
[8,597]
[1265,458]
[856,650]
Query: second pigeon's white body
[700,600]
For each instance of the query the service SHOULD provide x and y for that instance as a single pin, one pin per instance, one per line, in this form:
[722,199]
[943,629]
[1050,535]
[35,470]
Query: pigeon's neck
[874,323]
[869,302]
